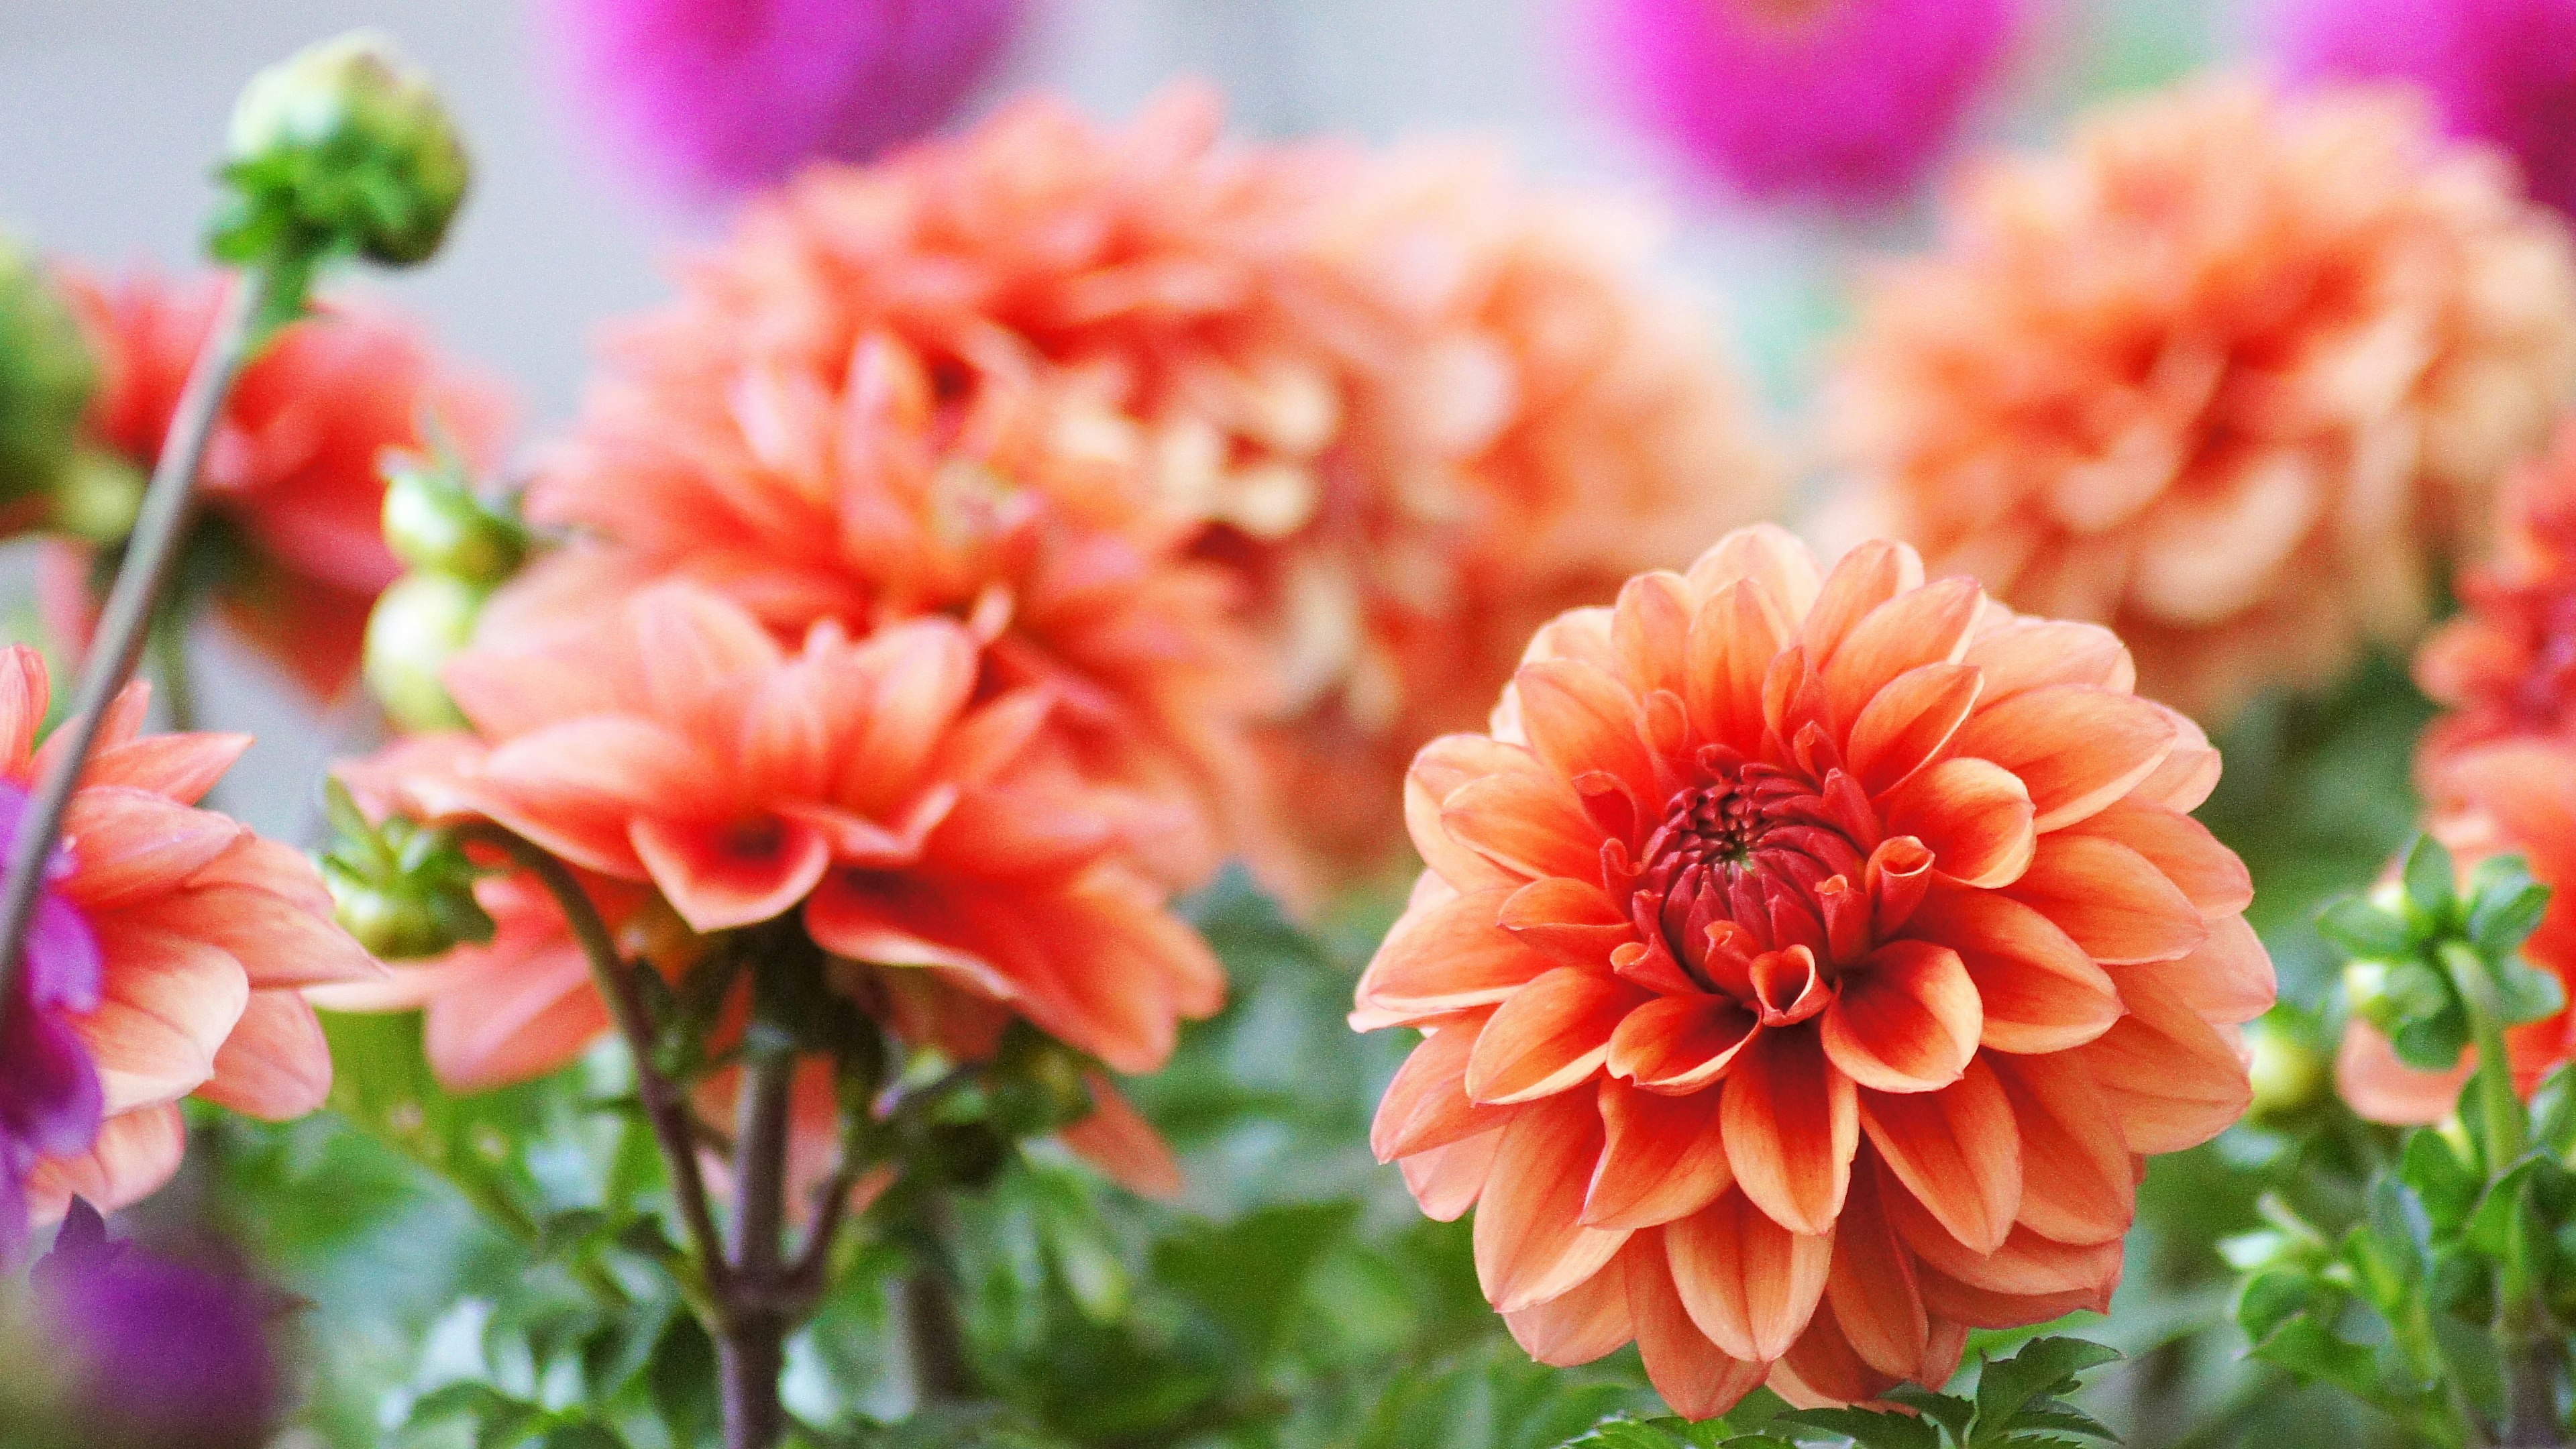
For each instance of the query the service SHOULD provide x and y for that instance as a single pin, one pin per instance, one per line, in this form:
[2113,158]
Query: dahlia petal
[863,844]
[1680,1044]
[1581,718]
[856,923]
[25,693]
[1447,957]
[1735,634]
[1446,1181]
[575,787]
[1905,724]
[1693,1374]
[1548,1036]
[991,737]
[2077,748]
[2024,1264]
[272,866]
[1964,1303]
[1099,965]
[1904,1019]
[1975,816]
[179,767]
[134,1154]
[1957,1151]
[1825,1364]
[1791,1126]
[276,1064]
[1427,1105]
[1662,1158]
[2381,1088]
[515,1017]
[2227,979]
[1575,922]
[279,942]
[925,672]
[2077,1184]
[1013,834]
[1117,1139]
[2207,873]
[1771,559]
[1529,827]
[165,1007]
[2110,900]
[2038,990]
[1921,627]
[2029,654]
[1861,580]
[123,723]
[1439,769]
[1870,1288]
[1650,631]
[694,648]
[2188,774]
[1748,1283]
[1530,1242]
[1579,1325]
[2173,1080]
[718,876]
[127,843]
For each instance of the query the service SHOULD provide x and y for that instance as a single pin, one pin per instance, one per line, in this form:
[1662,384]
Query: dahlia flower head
[1843,101]
[1407,406]
[2505,665]
[169,954]
[1806,963]
[718,96]
[291,494]
[2509,797]
[2502,71]
[943,850]
[2234,373]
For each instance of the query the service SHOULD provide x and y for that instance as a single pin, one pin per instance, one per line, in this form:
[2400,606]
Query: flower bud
[2287,1070]
[98,495]
[46,373]
[433,521]
[418,625]
[401,890]
[344,142]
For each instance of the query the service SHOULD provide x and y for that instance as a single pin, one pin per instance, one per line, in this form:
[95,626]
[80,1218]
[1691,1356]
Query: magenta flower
[1844,101]
[50,1099]
[2499,70]
[720,96]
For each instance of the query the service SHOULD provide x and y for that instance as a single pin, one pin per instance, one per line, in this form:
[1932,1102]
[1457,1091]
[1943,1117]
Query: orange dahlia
[944,852]
[1410,407]
[2505,666]
[2233,374]
[1804,965]
[2511,797]
[290,535]
[170,951]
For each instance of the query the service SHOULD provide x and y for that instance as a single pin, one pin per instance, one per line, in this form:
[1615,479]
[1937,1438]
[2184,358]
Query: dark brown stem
[750,1356]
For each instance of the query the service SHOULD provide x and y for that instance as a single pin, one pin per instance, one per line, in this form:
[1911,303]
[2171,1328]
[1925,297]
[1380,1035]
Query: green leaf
[2491,1229]
[2432,884]
[2505,905]
[1625,1431]
[1870,1429]
[1248,1275]
[2309,1350]
[2360,928]
[2447,1186]
[2524,993]
[2044,1369]
[2553,1112]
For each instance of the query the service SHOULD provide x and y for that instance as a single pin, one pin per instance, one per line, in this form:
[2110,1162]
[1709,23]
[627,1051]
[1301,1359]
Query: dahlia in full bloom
[2499,70]
[1804,963]
[2505,665]
[2517,797]
[1840,100]
[943,851]
[718,96]
[861,497]
[1411,406]
[2232,374]
[168,959]
[291,534]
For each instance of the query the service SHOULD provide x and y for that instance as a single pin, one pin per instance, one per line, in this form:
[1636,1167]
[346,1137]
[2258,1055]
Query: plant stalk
[2526,1349]
[940,1372]
[151,558]
[752,1338]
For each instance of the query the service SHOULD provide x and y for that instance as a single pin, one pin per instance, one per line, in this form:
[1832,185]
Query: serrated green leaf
[2310,1351]
[1869,1429]
[2524,993]
[1947,1410]
[2447,1186]
[2504,904]
[2360,928]
[2045,1368]
[2553,1111]
[2432,883]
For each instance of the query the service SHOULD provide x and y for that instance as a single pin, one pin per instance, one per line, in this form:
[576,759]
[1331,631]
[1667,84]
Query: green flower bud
[394,925]
[46,373]
[402,890]
[97,495]
[342,143]
[433,521]
[2288,1070]
[419,624]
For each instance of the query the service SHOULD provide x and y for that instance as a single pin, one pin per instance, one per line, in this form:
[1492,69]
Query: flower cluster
[2233,374]
[169,956]
[1804,960]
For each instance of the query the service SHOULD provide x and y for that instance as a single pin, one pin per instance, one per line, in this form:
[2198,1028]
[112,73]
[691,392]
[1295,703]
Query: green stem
[2526,1348]
[170,668]
[151,558]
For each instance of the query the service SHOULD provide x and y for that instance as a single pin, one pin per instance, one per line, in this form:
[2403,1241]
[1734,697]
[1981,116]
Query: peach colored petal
[1903,1019]
[720,876]
[1118,1140]
[1906,724]
[1446,1181]
[1528,827]
[1426,1106]
[1692,1373]
[1662,1158]
[135,1153]
[2207,873]
[1548,1036]
[1770,558]
[2380,1087]
[25,693]
[513,1017]
[1747,1282]
[166,1005]
[1922,627]
[2028,654]
[1680,1043]
[276,1064]
[1861,580]
[1447,957]
[1575,922]
[1869,1286]
[1791,1127]
[1530,1243]
[127,844]
[1585,1322]
[1957,1152]
[2110,900]
[1973,815]
[2173,1080]
[2037,989]
[1581,718]
[177,767]
[2077,1182]
[2077,748]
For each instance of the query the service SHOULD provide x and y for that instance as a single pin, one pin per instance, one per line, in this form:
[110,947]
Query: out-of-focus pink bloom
[2500,70]
[292,493]
[1843,100]
[718,96]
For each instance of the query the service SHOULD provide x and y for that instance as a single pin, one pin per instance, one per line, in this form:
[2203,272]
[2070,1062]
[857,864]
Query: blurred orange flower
[2513,797]
[2505,666]
[1410,407]
[290,536]
[205,938]
[1804,962]
[674,744]
[2234,374]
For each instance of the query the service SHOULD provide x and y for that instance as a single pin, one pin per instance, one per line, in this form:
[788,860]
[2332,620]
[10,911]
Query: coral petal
[1905,1019]
[276,1065]
[1663,1158]
[1549,1036]
[1791,1127]
[1749,1283]
[1957,1151]
[1693,1374]
[2110,900]
[1973,815]
[2076,747]
[1530,1242]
